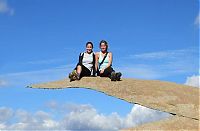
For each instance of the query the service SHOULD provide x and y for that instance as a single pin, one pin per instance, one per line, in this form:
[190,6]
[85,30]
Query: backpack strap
[80,58]
[103,59]
[93,62]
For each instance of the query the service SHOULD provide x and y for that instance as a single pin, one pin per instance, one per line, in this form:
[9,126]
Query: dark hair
[105,42]
[89,43]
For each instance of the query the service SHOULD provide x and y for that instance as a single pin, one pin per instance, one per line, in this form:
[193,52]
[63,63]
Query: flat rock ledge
[179,100]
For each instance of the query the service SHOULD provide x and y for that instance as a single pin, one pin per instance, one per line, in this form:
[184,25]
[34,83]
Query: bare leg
[78,70]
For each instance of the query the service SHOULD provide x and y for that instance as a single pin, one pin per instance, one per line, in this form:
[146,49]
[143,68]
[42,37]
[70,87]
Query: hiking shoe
[73,76]
[118,76]
[113,76]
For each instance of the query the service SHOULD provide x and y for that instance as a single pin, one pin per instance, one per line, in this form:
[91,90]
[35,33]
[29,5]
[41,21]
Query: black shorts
[85,71]
[107,72]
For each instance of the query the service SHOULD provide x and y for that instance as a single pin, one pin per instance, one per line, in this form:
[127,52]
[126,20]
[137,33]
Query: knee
[79,67]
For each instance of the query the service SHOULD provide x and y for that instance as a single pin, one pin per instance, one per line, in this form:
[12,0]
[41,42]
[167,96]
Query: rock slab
[179,100]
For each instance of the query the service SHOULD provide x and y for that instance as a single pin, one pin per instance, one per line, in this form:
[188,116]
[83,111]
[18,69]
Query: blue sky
[40,41]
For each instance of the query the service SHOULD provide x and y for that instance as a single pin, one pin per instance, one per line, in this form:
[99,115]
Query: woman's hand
[102,71]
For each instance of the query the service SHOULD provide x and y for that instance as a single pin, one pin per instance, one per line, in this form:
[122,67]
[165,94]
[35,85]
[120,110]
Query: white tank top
[106,61]
[87,60]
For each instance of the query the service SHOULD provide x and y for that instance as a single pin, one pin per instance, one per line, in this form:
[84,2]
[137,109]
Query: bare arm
[110,60]
[96,60]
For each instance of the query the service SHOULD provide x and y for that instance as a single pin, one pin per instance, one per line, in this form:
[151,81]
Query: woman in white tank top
[103,63]
[86,64]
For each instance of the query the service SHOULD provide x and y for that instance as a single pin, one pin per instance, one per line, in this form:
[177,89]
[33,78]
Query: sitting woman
[103,63]
[86,64]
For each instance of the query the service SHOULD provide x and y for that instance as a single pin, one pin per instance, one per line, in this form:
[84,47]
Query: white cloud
[84,117]
[90,119]
[4,8]
[46,61]
[168,54]
[25,78]
[140,115]
[3,83]
[196,22]
[140,71]
[52,105]
[23,116]
[193,81]
[160,64]
[2,126]
[5,114]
